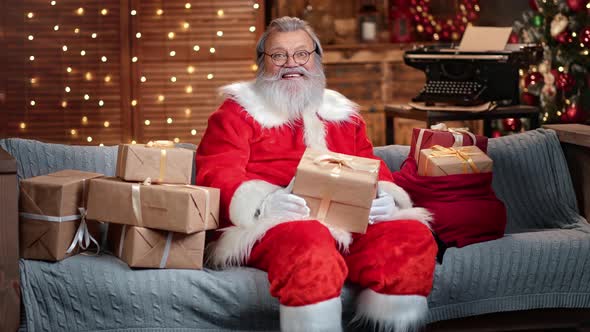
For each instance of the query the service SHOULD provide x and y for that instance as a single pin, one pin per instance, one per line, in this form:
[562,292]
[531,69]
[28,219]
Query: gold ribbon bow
[456,132]
[462,153]
[162,145]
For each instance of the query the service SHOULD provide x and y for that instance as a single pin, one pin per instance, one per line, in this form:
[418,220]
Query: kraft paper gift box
[446,137]
[178,208]
[150,248]
[50,216]
[440,161]
[161,162]
[338,188]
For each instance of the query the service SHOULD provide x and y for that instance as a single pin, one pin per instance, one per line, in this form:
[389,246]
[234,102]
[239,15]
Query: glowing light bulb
[31,37]
[252,29]
[560,69]
[188,89]
[30,15]
[107,78]
[32,58]
[133,142]
[104,11]
[186,25]
[134,103]
[187,111]
[219,33]
[161,98]
[80,11]
[212,50]
[67,89]
[256,6]
[101,144]
[133,12]
[32,103]
[196,48]
[169,121]
[220,13]
[101,103]
[64,48]
[103,59]
[76,30]
[56,27]
[193,132]
[210,76]
[86,97]
[89,139]
[171,35]
[159,12]
[94,35]
[176,139]
[138,35]
[143,79]
[147,122]
[190,69]
[172,53]
[33,80]
[82,53]
[22,125]
[187,5]
[53,3]
[254,67]
[84,120]
[106,124]
[73,132]
[173,79]
[88,76]
[134,59]
[64,104]
[69,69]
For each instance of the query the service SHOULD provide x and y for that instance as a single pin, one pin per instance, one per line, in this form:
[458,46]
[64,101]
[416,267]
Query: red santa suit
[249,151]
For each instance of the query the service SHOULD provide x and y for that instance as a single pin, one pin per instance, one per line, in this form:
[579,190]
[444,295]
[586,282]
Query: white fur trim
[314,132]
[247,199]
[335,107]
[342,237]
[325,316]
[399,313]
[404,203]
[400,196]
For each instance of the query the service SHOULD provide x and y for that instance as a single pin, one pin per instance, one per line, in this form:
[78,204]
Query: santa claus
[251,150]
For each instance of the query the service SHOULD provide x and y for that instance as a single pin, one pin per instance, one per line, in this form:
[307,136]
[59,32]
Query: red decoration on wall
[444,29]
[400,21]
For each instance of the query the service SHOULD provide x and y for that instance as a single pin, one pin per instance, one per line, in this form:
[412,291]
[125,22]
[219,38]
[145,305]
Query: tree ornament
[496,133]
[514,38]
[565,38]
[443,29]
[529,99]
[565,82]
[512,124]
[585,37]
[573,114]
[576,5]
[558,25]
[533,78]
[538,20]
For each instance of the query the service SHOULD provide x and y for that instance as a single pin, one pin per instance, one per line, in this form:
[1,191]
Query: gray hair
[287,24]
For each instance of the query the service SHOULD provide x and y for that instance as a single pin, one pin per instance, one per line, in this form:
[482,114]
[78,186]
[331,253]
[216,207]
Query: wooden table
[575,142]
[433,117]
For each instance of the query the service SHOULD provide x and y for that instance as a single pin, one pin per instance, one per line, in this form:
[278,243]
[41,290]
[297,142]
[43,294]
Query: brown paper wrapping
[431,164]
[58,195]
[144,247]
[137,162]
[174,208]
[347,193]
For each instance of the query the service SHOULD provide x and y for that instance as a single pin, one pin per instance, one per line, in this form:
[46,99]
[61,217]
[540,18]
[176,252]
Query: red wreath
[443,29]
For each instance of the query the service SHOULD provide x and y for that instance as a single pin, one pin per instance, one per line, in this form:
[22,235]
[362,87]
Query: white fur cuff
[400,196]
[325,316]
[399,313]
[247,199]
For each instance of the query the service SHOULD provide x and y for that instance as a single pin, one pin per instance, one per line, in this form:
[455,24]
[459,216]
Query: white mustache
[290,70]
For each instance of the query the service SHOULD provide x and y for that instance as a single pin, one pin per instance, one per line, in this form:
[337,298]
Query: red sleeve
[364,148]
[222,158]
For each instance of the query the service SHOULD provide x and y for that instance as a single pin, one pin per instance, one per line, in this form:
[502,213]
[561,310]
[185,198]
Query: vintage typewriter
[471,78]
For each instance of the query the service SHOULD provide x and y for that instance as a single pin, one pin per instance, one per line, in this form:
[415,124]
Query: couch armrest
[9,275]
[575,142]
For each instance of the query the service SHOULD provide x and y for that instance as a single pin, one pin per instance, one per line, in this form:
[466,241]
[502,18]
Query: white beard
[292,97]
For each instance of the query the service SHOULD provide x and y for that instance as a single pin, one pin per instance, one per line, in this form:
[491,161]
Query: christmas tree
[560,83]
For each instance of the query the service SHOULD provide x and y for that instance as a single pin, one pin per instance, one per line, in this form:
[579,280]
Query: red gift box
[445,137]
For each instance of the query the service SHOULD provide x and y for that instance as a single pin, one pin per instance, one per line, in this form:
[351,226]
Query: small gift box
[440,161]
[446,137]
[52,225]
[159,161]
[339,189]
[150,248]
[178,208]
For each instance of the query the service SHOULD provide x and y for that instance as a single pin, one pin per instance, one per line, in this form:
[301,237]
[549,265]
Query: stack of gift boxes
[155,218]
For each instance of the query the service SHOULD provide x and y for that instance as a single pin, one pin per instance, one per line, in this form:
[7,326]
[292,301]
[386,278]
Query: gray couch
[541,267]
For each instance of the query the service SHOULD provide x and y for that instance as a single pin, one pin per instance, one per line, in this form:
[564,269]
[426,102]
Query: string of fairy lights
[66,102]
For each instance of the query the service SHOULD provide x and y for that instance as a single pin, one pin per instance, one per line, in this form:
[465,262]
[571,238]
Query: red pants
[305,267]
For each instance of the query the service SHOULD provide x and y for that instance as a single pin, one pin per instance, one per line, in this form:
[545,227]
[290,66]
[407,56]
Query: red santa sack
[465,207]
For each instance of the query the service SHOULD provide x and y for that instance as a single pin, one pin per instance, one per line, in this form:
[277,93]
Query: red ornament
[400,21]
[573,114]
[576,5]
[533,4]
[529,99]
[565,37]
[565,82]
[512,124]
[514,38]
[496,134]
[446,29]
[533,78]
[585,37]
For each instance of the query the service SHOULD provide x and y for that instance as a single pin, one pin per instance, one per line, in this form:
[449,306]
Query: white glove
[283,205]
[383,207]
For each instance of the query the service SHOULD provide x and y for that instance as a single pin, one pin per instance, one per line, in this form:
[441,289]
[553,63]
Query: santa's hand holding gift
[251,150]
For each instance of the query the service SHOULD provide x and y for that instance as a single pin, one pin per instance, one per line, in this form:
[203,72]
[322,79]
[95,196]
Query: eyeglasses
[281,58]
